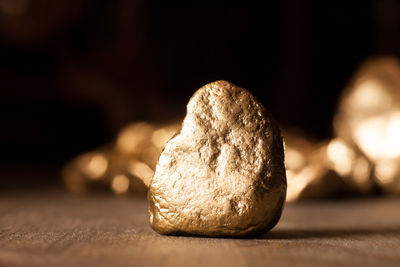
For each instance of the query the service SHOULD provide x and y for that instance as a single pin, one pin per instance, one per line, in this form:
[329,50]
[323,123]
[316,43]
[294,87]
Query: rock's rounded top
[221,105]
[223,174]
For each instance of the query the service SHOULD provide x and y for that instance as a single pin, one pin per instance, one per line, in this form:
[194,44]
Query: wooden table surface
[59,229]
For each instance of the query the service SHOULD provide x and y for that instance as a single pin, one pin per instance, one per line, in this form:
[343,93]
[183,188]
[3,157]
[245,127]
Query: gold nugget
[124,166]
[369,117]
[223,174]
[324,169]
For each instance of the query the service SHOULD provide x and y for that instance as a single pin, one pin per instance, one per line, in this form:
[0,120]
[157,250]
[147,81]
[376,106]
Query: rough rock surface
[223,174]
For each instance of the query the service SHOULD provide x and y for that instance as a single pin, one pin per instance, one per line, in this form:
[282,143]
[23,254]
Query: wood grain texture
[58,229]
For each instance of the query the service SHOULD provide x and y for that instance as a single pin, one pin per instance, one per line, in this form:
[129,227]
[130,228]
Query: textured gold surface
[223,174]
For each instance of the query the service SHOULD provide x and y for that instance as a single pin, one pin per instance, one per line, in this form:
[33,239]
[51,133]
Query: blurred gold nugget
[325,169]
[308,175]
[144,141]
[369,117]
[85,169]
[366,149]
[223,174]
[127,165]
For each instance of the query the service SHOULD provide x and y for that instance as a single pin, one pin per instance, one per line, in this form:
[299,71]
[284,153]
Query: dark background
[73,73]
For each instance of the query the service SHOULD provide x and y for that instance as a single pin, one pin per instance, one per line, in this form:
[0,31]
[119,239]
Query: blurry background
[73,73]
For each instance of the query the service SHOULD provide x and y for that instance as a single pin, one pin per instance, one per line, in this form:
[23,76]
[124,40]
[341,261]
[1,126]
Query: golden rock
[144,141]
[368,117]
[223,174]
[105,169]
[134,138]
[126,165]
[324,169]
[88,169]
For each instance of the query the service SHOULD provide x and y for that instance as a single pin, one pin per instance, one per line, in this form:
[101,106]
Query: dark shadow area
[303,234]
[328,233]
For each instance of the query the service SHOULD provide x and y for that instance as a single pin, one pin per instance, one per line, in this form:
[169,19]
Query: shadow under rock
[327,233]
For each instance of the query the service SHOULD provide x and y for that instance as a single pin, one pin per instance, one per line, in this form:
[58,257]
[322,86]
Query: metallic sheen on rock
[223,174]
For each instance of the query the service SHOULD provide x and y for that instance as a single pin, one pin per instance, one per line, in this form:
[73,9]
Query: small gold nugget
[223,174]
